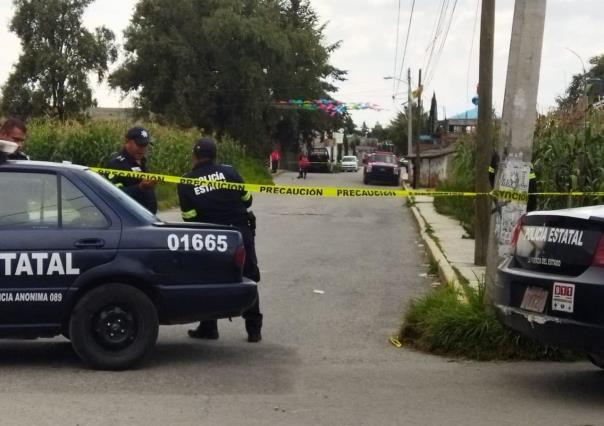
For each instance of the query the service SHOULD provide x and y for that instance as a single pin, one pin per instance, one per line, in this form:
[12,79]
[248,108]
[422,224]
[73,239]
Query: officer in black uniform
[202,203]
[132,157]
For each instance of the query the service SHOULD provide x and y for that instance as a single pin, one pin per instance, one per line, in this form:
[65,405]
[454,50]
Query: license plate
[534,299]
[563,297]
[382,170]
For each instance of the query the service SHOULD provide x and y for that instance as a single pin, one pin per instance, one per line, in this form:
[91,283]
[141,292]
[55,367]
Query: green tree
[58,53]
[433,117]
[364,129]
[220,64]
[589,84]
[378,132]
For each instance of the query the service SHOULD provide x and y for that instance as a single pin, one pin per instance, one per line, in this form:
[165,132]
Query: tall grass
[569,156]
[441,323]
[460,179]
[91,143]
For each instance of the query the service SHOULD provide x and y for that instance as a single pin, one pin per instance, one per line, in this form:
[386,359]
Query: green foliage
[441,323]
[58,53]
[461,179]
[218,65]
[583,85]
[569,156]
[92,142]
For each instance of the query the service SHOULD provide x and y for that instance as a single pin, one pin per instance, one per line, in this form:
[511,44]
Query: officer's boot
[206,330]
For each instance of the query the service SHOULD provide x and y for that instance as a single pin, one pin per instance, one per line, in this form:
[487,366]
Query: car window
[29,200]
[77,210]
[383,159]
[132,205]
[350,159]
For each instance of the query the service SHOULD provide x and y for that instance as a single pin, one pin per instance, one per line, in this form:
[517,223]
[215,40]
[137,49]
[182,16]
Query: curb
[445,271]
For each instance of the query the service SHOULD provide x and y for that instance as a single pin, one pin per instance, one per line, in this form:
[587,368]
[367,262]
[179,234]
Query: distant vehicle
[552,288]
[350,163]
[81,258]
[319,160]
[383,167]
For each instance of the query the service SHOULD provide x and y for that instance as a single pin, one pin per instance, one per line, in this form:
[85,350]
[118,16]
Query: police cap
[139,135]
[205,148]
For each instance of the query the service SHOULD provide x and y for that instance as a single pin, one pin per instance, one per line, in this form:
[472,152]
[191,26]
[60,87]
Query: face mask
[8,147]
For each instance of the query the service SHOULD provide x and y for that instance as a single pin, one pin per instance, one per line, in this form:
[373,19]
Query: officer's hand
[147,184]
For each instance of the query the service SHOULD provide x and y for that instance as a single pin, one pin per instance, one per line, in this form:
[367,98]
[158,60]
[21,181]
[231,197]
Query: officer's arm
[246,196]
[122,183]
[188,210]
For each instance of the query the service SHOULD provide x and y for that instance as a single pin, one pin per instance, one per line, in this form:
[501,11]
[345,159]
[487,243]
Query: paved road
[324,359]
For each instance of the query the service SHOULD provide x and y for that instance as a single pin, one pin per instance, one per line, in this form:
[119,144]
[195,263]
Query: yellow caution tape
[326,191]
[395,342]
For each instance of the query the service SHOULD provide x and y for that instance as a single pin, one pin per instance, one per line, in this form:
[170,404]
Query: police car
[552,288]
[78,257]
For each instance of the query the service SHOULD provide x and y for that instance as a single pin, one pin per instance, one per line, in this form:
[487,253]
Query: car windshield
[383,158]
[349,159]
[132,205]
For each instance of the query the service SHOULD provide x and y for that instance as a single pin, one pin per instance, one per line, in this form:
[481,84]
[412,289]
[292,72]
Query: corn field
[92,142]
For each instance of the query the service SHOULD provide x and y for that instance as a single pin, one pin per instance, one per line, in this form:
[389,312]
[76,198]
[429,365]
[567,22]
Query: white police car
[78,257]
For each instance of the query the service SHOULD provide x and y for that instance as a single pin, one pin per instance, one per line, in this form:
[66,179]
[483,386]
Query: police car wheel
[113,327]
[596,359]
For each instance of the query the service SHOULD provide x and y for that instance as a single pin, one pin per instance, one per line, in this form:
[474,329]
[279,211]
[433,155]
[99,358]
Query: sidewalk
[443,237]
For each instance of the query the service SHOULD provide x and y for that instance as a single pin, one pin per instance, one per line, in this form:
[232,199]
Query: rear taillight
[240,256]
[599,253]
[516,232]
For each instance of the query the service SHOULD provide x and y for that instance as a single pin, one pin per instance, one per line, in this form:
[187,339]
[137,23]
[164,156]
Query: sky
[368,31]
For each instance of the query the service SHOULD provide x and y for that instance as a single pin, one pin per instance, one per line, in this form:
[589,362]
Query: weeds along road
[324,359]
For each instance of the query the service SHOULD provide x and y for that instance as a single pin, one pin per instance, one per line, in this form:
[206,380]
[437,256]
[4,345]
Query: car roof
[577,212]
[42,165]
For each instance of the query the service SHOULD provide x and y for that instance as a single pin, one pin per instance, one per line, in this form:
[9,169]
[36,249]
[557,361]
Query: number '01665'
[198,242]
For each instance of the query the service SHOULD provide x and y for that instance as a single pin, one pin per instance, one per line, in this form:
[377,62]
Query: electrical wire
[437,31]
[398,81]
[431,72]
[398,29]
[472,49]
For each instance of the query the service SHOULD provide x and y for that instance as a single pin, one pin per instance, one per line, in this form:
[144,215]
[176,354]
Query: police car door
[51,232]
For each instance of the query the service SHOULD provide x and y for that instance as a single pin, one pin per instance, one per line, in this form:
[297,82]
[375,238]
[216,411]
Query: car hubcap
[115,327]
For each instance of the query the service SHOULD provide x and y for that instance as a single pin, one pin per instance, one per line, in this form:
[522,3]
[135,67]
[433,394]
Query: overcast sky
[367,29]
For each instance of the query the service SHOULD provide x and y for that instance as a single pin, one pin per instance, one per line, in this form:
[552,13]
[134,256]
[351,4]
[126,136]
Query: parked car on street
[79,257]
[552,288]
[382,167]
[350,163]
[319,160]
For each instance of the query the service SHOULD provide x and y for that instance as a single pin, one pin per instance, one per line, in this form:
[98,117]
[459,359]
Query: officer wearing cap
[132,158]
[202,203]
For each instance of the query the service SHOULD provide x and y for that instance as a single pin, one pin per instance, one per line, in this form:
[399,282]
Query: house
[462,123]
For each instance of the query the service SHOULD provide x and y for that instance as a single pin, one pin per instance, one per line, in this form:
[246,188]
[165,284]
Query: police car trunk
[552,288]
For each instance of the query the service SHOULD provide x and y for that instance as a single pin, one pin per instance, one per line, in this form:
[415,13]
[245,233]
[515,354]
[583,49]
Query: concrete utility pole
[419,132]
[409,118]
[484,140]
[518,125]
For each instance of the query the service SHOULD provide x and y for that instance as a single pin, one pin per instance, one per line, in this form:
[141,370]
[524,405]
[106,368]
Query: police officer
[202,203]
[532,199]
[14,130]
[132,158]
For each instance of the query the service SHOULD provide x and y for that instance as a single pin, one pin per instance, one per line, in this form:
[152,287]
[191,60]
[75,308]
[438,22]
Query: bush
[92,142]
[460,179]
[441,323]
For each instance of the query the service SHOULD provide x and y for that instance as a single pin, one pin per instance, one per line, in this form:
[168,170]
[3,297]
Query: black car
[382,167]
[552,288]
[319,160]
[78,257]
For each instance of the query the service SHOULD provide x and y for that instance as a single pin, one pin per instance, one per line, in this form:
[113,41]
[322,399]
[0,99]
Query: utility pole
[409,119]
[484,136]
[518,126]
[416,167]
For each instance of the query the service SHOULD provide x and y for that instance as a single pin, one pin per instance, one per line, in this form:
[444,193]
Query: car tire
[113,327]
[596,359]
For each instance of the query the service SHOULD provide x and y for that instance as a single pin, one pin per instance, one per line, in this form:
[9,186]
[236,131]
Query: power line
[472,50]
[398,29]
[437,31]
[442,45]
[398,82]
